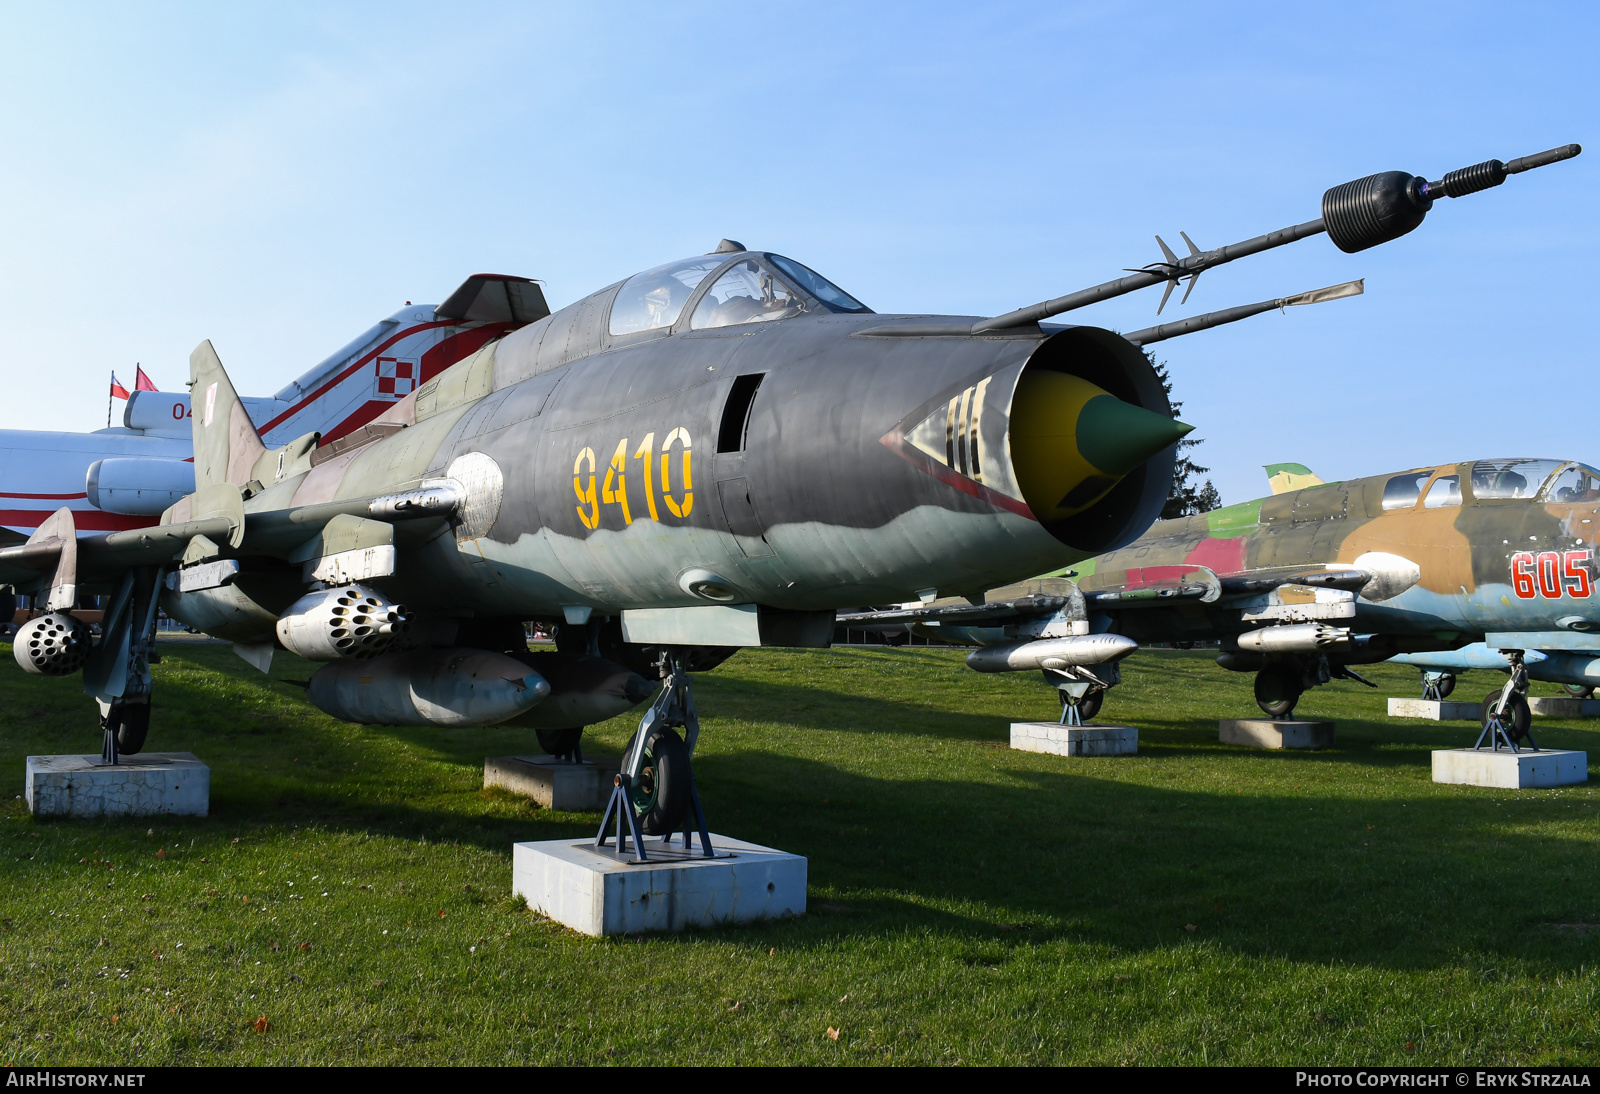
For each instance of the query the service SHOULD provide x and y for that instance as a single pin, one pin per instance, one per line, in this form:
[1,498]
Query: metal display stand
[1495,729]
[673,708]
[1072,695]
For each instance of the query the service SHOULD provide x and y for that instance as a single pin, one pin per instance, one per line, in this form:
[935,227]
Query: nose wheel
[1507,721]
[654,794]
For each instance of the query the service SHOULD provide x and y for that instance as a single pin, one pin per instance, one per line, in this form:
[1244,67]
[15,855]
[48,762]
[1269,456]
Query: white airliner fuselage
[125,476]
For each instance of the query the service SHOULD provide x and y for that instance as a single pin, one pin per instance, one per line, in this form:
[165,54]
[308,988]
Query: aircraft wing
[1153,586]
[306,533]
[1136,589]
[1349,578]
[968,615]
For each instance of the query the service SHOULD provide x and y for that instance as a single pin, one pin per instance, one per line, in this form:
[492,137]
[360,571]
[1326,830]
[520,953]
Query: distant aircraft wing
[967,615]
[1348,578]
[1158,586]
[1152,596]
[1152,586]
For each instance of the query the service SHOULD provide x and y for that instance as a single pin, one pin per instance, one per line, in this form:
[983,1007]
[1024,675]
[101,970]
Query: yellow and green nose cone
[1071,441]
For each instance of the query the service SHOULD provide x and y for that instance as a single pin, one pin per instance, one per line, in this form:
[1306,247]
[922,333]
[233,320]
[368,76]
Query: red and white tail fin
[371,373]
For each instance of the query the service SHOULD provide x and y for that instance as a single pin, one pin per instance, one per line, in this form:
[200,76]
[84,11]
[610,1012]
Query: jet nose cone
[1116,436]
[1072,441]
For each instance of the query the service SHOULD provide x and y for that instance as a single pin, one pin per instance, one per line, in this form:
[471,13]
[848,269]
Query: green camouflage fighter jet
[714,453]
[1302,585]
[1573,663]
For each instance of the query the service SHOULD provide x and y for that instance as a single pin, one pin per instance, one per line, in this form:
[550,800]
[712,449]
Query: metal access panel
[1541,640]
[727,625]
[707,625]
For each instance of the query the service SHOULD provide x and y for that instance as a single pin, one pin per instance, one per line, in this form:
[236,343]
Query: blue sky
[276,178]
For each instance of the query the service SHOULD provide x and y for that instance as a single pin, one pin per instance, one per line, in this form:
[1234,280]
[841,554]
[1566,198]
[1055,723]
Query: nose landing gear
[654,793]
[1507,720]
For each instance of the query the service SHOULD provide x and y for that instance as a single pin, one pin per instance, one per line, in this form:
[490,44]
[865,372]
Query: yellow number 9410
[613,490]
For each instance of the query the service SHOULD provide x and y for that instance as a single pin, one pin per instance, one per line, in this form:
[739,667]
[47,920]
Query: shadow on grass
[1022,849]
[1393,883]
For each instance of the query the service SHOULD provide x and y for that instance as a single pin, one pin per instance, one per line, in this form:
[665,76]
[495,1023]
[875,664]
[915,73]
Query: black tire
[1447,684]
[1518,718]
[1579,691]
[661,796]
[560,742]
[1278,691]
[132,722]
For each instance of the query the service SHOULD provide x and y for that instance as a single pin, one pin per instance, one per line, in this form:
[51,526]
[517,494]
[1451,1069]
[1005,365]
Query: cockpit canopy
[1560,481]
[754,288]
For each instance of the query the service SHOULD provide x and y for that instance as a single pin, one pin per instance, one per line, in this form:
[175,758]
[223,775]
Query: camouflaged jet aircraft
[717,452]
[1302,585]
[1573,663]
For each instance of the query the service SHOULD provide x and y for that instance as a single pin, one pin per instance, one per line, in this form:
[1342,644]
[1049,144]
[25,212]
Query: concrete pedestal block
[146,785]
[1510,770]
[598,892]
[1063,740]
[553,783]
[1562,706]
[1271,733]
[1435,710]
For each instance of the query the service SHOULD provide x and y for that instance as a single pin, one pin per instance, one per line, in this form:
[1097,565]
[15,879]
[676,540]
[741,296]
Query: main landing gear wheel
[1579,691]
[661,793]
[1518,719]
[131,722]
[1447,684]
[560,742]
[1278,690]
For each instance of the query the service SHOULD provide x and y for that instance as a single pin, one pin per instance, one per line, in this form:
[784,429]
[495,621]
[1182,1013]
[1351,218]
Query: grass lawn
[969,904]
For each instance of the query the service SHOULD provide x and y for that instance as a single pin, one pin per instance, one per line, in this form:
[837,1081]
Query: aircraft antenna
[1356,215]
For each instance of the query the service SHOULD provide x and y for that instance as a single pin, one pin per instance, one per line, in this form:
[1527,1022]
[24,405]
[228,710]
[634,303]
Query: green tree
[1189,495]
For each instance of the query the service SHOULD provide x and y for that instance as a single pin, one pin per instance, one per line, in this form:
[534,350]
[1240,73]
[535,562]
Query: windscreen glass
[747,293]
[1575,484]
[1402,491]
[1510,478]
[654,299]
[818,286]
[1445,492]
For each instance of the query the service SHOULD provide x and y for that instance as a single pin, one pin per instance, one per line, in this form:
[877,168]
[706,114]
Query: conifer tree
[1189,495]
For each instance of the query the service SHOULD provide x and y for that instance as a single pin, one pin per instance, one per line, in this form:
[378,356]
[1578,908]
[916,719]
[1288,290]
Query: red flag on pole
[141,382]
[117,390]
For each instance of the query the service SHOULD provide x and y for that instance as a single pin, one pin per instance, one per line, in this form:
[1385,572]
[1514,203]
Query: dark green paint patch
[1116,436]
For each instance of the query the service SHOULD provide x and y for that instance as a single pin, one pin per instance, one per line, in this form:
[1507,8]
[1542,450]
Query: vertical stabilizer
[226,444]
[1283,477]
